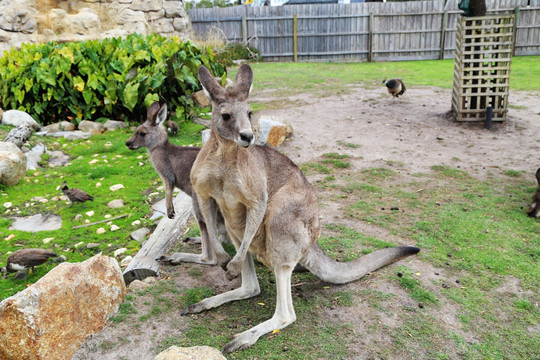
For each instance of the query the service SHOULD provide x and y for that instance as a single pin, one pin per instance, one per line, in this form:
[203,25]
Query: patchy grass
[477,232]
[95,165]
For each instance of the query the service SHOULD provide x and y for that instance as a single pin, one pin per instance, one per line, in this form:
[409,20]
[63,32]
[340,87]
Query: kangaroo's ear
[243,82]
[162,114]
[210,86]
[152,112]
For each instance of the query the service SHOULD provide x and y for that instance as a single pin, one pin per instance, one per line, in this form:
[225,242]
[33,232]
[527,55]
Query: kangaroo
[173,164]
[270,210]
[534,208]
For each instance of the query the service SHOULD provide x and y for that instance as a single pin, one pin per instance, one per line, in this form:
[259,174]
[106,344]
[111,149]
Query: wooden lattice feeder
[484,48]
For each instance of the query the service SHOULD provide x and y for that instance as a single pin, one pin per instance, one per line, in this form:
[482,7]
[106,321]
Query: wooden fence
[414,30]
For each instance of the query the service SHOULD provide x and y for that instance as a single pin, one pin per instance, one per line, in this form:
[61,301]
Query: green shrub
[93,80]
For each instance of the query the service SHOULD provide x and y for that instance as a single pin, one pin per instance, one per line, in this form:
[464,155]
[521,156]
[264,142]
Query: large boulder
[91,127]
[59,126]
[272,131]
[190,353]
[85,22]
[15,16]
[17,118]
[12,164]
[52,318]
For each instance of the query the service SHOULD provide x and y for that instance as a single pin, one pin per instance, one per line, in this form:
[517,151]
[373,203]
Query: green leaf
[150,99]
[131,95]
[78,83]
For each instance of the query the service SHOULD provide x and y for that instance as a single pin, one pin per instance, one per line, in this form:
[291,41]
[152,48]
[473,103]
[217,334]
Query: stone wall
[33,21]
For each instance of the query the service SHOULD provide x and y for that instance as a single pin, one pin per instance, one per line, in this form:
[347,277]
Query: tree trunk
[168,231]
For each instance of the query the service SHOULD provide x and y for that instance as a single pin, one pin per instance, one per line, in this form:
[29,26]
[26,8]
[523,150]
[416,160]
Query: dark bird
[172,127]
[24,259]
[75,195]
[534,208]
[395,87]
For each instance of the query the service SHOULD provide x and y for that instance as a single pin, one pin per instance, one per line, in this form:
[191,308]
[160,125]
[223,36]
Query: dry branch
[99,222]
[168,231]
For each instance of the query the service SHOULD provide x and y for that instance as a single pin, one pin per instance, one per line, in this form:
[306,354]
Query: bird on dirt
[395,87]
[25,259]
[172,127]
[75,195]
[534,208]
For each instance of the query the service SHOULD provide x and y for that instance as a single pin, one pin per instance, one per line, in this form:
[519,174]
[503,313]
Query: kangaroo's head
[151,133]
[231,114]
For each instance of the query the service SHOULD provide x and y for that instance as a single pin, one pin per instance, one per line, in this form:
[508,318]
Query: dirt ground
[415,131]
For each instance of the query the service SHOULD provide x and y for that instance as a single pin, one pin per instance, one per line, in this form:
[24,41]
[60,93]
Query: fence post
[295,37]
[516,17]
[443,33]
[244,30]
[370,37]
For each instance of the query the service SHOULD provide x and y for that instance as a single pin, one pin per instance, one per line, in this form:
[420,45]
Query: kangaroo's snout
[130,144]
[246,138]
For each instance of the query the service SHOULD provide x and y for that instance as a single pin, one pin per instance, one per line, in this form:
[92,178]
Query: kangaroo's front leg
[254,218]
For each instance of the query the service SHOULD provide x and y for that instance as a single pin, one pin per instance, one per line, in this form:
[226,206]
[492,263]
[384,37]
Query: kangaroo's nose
[247,137]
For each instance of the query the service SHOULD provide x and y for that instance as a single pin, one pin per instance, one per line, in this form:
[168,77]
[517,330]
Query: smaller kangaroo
[173,164]
[534,208]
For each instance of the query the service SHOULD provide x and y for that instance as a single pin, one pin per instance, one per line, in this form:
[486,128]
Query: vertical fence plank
[370,42]
[443,33]
[295,37]
[516,19]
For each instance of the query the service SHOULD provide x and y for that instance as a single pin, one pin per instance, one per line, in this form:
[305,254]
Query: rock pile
[29,21]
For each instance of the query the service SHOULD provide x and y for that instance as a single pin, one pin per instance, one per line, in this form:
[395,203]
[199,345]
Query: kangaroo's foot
[249,337]
[193,240]
[178,258]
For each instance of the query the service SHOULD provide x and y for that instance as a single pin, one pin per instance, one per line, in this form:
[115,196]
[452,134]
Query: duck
[75,195]
[395,87]
[22,260]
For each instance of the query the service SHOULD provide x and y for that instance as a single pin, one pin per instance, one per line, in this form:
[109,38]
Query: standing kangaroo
[270,210]
[173,164]
[534,208]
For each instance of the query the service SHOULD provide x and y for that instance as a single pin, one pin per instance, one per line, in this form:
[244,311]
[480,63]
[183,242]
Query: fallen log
[168,231]
[19,135]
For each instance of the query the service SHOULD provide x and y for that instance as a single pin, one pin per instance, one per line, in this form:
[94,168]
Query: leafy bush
[113,78]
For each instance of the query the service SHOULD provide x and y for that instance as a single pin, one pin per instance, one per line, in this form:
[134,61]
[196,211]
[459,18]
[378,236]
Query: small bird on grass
[25,259]
[395,87]
[75,195]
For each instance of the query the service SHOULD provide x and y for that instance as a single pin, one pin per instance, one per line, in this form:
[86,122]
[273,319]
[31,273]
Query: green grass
[475,230]
[116,165]
[330,78]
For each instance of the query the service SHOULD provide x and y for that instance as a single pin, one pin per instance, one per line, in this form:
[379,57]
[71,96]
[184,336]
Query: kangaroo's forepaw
[234,268]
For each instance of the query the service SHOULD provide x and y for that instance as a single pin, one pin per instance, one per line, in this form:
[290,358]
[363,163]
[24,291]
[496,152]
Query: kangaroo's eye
[226,117]
[143,134]
[250,114]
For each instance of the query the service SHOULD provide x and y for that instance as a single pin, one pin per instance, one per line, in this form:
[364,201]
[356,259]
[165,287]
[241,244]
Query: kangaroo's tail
[329,270]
